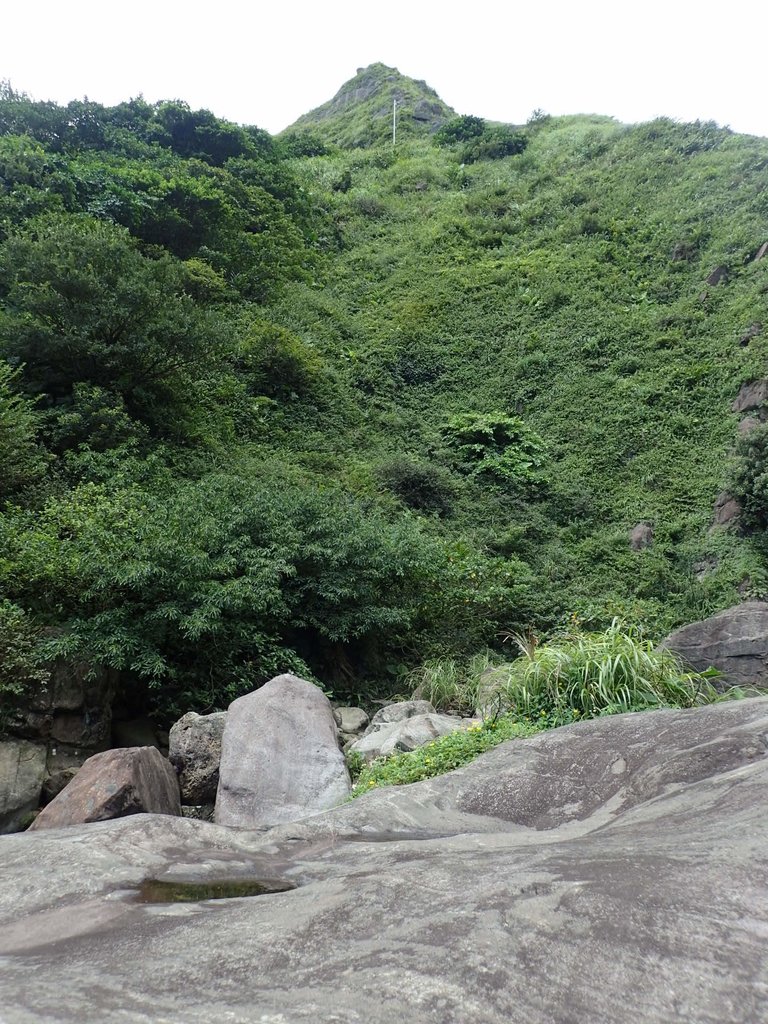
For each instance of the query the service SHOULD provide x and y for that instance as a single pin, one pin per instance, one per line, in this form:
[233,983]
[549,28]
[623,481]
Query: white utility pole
[394,123]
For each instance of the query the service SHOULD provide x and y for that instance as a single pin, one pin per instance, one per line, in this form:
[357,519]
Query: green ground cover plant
[442,755]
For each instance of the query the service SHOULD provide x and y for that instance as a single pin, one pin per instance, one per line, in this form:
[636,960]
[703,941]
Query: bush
[497,445]
[451,684]
[420,485]
[460,129]
[20,664]
[494,144]
[749,478]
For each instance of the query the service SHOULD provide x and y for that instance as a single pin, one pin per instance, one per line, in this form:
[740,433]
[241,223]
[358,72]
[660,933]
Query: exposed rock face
[718,275]
[69,718]
[641,537]
[727,509]
[22,770]
[734,641]
[113,784]
[410,733]
[195,752]
[611,871]
[751,396]
[280,757]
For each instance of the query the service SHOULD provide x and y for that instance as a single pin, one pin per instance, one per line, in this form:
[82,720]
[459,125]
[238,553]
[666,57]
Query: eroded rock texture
[610,872]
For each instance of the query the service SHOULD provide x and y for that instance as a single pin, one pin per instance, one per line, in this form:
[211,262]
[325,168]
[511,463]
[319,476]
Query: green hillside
[318,403]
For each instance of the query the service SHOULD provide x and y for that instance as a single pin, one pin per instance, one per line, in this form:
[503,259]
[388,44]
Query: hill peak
[360,114]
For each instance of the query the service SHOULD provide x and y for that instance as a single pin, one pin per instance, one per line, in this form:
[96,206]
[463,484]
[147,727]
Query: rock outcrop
[113,784]
[610,871]
[22,770]
[280,756]
[734,641]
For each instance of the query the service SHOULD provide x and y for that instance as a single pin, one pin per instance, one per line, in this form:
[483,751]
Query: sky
[267,63]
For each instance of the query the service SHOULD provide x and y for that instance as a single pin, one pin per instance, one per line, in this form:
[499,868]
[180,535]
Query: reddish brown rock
[115,783]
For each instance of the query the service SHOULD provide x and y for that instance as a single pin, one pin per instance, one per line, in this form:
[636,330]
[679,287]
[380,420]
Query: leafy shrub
[452,684]
[749,477]
[494,144]
[420,485]
[21,460]
[21,666]
[460,129]
[497,445]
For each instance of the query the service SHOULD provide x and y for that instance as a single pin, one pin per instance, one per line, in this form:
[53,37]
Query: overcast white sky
[267,63]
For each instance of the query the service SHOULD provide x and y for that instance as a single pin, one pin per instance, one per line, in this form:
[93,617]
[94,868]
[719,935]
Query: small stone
[351,720]
[641,537]
[718,275]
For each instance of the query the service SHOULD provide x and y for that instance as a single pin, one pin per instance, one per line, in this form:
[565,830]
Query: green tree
[22,461]
[83,306]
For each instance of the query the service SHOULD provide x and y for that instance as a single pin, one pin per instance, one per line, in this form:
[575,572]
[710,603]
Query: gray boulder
[195,752]
[351,720]
[22,770]
[398,712]
[115,783]
[734,641]
[280,757]
[610,871]
[407,734]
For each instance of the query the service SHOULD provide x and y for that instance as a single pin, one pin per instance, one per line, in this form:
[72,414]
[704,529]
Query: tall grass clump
[598,674]
[452,684]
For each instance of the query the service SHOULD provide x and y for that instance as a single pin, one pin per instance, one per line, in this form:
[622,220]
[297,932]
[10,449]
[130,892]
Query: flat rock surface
[610,872]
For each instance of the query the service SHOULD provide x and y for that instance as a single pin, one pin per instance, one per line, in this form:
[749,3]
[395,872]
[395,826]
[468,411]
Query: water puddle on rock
[155,890]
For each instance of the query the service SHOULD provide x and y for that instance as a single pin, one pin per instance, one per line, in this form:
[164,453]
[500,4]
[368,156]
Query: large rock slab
[195,752]
[610,872]
[280,756]
[734,641]
[115,783]
[22,770]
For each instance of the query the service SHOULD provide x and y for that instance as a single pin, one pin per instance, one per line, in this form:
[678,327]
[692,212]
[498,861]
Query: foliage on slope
[343,412]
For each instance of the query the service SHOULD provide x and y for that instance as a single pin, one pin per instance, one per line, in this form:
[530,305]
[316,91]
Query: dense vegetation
[313,403]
